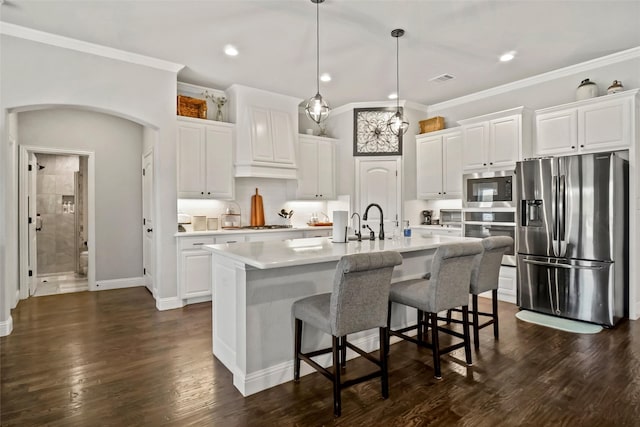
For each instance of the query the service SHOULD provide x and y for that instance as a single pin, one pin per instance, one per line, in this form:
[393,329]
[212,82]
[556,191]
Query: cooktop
[266,227]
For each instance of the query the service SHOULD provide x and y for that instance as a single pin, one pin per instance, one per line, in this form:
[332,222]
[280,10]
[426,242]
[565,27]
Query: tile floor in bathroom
[61,283]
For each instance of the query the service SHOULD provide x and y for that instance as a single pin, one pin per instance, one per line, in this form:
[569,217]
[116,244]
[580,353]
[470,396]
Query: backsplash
[276,195]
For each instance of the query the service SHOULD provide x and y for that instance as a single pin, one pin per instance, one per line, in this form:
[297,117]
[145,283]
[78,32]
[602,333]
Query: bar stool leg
[384,380]
[297,350]
[448,317]
[337,401]
[467,337]
[343,353]
[476,321]
[388,328]
[421,328]
[435,342]
[494,298]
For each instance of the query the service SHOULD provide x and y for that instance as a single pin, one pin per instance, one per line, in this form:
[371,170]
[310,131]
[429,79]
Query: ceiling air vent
[442,78]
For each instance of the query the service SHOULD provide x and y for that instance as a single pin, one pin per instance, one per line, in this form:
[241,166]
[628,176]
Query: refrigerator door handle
[554,215]
[562,215]
[566,266]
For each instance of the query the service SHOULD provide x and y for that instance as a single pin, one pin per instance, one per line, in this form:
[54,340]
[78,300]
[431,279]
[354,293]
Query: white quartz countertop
[246,230]
[294,252]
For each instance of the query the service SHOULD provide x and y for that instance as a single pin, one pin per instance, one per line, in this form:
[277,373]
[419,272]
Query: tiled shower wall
[56,241]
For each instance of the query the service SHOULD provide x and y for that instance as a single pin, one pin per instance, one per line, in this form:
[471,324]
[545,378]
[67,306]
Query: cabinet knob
[149,230]
[484,164]
[202,192]
[316,195]
[209,192]
[573,147]
[582,145]
[439,192]
[491,163]
[444,192]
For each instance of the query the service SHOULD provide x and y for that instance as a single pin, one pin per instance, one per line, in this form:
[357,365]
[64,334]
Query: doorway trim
[399,194]
[23,217]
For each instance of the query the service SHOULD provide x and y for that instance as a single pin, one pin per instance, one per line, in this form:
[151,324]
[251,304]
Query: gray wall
[117,144]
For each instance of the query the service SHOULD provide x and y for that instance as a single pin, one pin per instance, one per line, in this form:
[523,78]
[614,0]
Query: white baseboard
[283,372]
[637,313]
[128,282]
[16,299]
[197,300]
[168,303]
[6,326]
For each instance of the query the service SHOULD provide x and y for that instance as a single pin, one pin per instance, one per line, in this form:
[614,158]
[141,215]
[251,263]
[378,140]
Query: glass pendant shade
[317,108]
[397,125]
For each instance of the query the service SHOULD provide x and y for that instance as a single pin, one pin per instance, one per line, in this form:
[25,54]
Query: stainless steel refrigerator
[572,236]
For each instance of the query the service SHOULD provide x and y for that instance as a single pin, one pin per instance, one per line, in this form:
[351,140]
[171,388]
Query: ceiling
[276,40]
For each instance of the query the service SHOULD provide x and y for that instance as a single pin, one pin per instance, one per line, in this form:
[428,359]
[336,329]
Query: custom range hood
[266,132]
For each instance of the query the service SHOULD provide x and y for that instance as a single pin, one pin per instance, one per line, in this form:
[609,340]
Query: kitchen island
[256,283]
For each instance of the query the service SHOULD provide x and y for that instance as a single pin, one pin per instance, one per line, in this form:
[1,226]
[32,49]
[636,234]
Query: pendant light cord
[398,74]
[318,47]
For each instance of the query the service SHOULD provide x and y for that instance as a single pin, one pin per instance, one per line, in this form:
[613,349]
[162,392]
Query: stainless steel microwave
[488,190]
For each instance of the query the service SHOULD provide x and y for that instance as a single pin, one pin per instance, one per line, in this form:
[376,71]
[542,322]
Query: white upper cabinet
[316,173]
[205,159]
[589,126]
[266,132]
[439,165]
[495,141]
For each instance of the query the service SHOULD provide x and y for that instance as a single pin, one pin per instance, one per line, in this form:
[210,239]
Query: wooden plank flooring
[110,358]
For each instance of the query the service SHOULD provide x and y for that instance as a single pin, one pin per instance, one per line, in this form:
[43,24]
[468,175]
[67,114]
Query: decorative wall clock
[371,136]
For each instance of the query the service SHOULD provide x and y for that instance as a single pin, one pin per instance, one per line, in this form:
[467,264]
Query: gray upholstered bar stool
[484,277]
[446,288]
[359,301]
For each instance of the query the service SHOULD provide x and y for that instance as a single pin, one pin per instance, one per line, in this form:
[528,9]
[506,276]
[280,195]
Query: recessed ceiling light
[325,77]
[393,96]
[508,56]
[230,50]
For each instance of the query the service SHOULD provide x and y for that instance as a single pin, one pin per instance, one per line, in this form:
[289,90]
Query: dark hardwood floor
[110,358]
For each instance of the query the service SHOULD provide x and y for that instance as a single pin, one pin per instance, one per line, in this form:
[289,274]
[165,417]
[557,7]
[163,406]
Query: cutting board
[257,210]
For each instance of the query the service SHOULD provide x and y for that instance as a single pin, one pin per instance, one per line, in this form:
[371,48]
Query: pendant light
[317,108]
[397,125]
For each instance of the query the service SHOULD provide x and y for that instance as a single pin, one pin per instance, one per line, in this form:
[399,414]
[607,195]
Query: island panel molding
[371,135]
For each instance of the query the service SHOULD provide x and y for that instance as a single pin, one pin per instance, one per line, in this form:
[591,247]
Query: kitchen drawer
[318,233]
[194,242]
[236,238]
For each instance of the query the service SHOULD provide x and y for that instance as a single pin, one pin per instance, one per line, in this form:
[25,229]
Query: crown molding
[377,104]
[86,47]
[614,58]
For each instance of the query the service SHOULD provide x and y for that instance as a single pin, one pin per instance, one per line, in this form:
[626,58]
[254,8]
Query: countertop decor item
[397,124]
[615,87]
[371,135]
[317,108]
[192,107]
[199,223]
[257,210]
[586,90]
[231,217]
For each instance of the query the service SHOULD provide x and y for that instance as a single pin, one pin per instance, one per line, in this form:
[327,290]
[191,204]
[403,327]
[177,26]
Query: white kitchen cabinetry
[194,267]
[439,168]
[495,141]
[316,173]
[281,235]
[321,232]
[507,285]
[205,159]
[266,132]
[438,231]
[589,126]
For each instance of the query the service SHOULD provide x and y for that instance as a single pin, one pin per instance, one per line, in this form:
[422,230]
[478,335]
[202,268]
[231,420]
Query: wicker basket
[432,124]
[192,107]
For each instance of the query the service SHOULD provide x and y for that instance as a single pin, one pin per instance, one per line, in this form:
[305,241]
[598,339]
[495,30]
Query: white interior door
[35,224]
[148,222]
[378,182]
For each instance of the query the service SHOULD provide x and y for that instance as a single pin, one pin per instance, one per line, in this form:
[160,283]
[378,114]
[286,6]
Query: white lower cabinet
[442,231]
[284,235]
[194,267]
[323,232]
[507,284]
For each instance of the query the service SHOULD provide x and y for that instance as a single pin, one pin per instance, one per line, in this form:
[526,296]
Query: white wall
[34,74]
[117,144]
